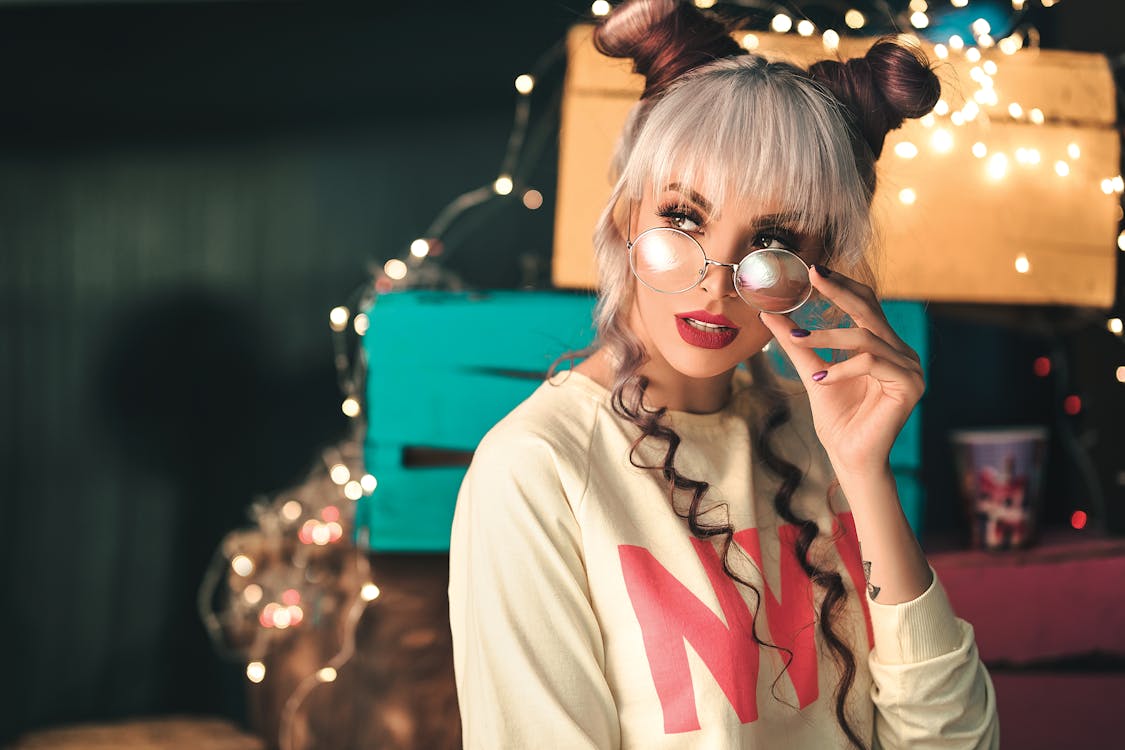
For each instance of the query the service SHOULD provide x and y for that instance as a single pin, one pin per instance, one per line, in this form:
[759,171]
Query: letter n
[670,614]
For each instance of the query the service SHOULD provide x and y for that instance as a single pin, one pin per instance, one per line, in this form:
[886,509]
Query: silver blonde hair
[739,126]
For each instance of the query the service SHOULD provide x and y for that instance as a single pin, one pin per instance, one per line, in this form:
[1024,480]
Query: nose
[718,279]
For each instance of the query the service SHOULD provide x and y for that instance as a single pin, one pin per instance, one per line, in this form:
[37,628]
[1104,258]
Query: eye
[776,239]
[682,218]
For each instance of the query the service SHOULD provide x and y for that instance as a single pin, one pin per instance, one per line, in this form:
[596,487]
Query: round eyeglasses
[671,261]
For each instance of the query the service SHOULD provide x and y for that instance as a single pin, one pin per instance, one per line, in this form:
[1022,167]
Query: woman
[663,549]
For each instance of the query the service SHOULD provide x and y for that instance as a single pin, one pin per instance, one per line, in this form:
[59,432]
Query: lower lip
[716,339]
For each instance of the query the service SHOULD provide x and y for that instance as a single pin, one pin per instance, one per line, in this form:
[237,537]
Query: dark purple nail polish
[799,333]
[819,376]
[823,270]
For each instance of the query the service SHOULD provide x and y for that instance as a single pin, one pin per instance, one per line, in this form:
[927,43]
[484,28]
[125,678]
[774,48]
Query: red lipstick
[706,337]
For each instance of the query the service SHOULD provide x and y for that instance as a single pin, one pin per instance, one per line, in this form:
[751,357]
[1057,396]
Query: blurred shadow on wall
[192,394]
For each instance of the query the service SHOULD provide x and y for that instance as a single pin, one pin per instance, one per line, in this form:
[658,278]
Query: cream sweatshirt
[584,613]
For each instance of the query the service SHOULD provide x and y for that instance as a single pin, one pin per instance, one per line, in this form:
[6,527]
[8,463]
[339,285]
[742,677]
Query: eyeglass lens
[670,261]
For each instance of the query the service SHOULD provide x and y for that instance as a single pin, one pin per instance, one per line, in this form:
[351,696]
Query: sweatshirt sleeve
[930,688]
[528,653]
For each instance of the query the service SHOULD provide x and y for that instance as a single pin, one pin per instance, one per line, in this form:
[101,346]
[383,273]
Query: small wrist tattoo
[872,590]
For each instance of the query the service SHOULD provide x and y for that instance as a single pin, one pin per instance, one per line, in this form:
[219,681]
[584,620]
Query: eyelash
[671,212]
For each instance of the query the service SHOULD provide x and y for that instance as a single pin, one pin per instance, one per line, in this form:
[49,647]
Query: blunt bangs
[744,129]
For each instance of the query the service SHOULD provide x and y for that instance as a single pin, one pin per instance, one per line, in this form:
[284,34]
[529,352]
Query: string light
[368,483]
[959,3]
[1036,116]
[242,565]
[1121,374]
[806,28]
[600,8]
[1073,151]
[830,39]
[1062,169]
[395,269]
[1042,366]
[353,490]
[854,19]
[919,20]
[255,672]
[1023,265]
[1078,520]
[990,67]
[942,107]
[1107,187]
[907,196]
[980,150]
[327,674]
[942,141]
[533,199]
[1113,325]
[525,84]
[339,474]
[1015,110]
[252,593]
[502,186]
[906,150]
[420,248]
[1072,405]
[350,407]
[927,120]
[338,318]
[781,23]
[1121,241]
[956,42]
[997,166]
[972,54]
[1118,184]
[369,592]
[361,324]
[941,51]
[985,40]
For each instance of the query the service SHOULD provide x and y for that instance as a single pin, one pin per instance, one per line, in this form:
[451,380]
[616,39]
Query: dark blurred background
[186,190]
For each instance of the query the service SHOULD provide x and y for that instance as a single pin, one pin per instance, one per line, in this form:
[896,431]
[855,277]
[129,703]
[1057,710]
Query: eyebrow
[789,218]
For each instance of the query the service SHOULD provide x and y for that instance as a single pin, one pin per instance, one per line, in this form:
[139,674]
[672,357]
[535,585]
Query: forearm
[897,570]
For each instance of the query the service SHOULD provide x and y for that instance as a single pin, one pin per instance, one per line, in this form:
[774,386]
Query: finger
[852,340]
[858,301]
[895,379]
[806,361]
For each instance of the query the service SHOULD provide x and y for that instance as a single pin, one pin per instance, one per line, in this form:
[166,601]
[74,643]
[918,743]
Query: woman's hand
[858,405]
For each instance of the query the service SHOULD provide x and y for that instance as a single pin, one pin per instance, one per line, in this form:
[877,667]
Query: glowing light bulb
[1048,3]
[361,324]
[941,51]
[980,150]
[503,185]
[985,40]
[255,672]
[525,84]
[906,150]
[997,166]
[927,120]
[959,3]
[368,483]
[395,269]
[339,474]
[781,23]
[1073,151]
[956,42]
[291,510]
[1113,325]
[1121,241]
[321,534]
[750,42]
[1042,366]
[990,67]
[1009,45]
[919,5]
[919,20]
[1018,4]
[338,318]
[1023,265]
[942,107]
[328,674]
[1121,374]
[1107,186]
[972,54]
[831,39]
[369,592]
[282,618]
[942,141]
[806,28]
[242,565]
[1036,115]
[350,407]
[600,8]
[854,19]
[252,593]
[1118,184]
[705,4]
[1033,156]
[957,118]
[1072,405]
[1078,517]
[1062,169]
[419,248]
[353,490]
[970,110]
[532,199]
[1015,110]
[907,196]
[981,26]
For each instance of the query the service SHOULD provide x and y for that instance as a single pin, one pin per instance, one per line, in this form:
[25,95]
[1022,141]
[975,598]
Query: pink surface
[1063,598]
[1042,711]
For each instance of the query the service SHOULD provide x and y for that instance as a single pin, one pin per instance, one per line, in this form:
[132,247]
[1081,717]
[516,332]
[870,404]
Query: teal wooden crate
[444,367]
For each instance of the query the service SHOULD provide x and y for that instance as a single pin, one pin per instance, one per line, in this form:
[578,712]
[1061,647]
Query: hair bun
[664,38]
[891,83]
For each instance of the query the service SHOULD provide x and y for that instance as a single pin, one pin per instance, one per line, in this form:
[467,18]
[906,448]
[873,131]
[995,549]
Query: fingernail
[823,270]
[819,376]
[799,333]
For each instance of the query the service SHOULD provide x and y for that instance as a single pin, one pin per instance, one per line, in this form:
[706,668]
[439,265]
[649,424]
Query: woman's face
[667,323]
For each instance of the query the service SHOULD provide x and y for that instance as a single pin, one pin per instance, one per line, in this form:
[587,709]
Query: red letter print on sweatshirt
[669,614]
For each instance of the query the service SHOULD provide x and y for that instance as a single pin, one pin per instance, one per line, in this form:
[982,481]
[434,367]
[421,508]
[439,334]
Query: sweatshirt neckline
[740,389]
